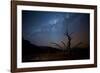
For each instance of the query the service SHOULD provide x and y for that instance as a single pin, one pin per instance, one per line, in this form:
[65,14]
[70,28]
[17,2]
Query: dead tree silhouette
[68,45]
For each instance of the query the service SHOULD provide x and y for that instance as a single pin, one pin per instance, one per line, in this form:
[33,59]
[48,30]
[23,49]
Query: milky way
[43,28]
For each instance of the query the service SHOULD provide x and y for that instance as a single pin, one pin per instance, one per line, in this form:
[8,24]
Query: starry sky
[43,28]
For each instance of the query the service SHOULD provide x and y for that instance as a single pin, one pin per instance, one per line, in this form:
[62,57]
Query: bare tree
[68,36]
[68,45]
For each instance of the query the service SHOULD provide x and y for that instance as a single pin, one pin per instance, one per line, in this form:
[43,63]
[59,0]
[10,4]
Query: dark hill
[31,53]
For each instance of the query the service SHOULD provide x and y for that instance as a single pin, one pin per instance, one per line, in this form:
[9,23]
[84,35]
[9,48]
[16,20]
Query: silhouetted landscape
[33,53]
[51,36]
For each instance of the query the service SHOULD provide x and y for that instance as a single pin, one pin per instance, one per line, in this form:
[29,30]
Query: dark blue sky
[43,28]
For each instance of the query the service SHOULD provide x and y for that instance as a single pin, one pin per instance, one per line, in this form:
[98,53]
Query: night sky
[43,28]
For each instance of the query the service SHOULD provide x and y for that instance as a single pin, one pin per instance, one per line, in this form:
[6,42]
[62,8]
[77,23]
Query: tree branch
[71,33]
[77,44]
[64,44]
